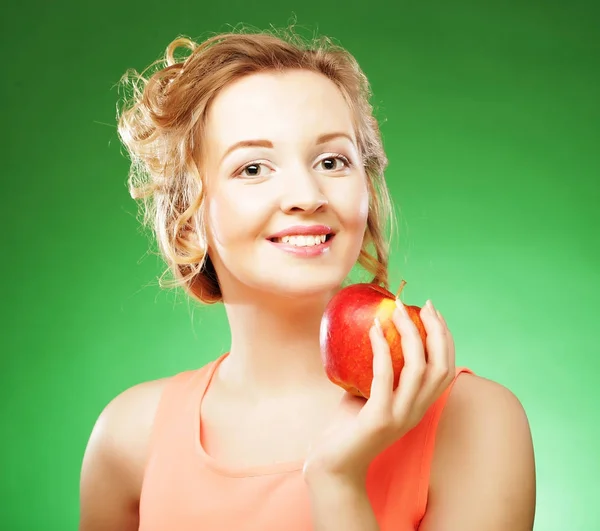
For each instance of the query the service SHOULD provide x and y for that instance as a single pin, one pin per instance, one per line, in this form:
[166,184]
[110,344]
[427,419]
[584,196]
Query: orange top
[184,489]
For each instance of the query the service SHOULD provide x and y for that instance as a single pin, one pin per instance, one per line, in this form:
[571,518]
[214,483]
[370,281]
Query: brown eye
[339,162]
[329,164]
[252,170]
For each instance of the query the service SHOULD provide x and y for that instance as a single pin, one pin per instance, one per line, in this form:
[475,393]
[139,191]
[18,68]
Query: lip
[309,251]
[302,230]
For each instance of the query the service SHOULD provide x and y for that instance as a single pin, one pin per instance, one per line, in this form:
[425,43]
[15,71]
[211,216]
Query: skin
[483,474]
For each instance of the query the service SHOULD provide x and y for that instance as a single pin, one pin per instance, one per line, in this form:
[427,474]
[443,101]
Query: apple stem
[402,284]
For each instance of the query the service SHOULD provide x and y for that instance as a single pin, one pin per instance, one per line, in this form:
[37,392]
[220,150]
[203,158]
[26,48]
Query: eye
[256,169]
[335,162]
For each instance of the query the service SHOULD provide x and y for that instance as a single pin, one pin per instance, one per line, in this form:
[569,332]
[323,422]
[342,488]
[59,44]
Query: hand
[364,428]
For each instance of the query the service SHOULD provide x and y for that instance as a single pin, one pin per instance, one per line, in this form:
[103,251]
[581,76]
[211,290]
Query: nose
[302,193]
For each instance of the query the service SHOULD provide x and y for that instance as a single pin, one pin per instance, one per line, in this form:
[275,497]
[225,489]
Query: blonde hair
[161,124]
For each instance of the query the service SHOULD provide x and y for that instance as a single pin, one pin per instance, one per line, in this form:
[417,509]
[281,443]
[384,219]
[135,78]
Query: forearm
[338,505]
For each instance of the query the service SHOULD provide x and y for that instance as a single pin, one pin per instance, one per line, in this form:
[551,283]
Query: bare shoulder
[483,470]
[122,430]
[486,401]
[115,457]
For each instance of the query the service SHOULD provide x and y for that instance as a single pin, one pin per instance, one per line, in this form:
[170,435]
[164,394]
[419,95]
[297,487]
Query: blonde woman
[260,166]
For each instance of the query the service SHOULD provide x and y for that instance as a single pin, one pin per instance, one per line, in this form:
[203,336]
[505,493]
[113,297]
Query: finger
[450,338]
[438,369]
[413,371]
[383,371]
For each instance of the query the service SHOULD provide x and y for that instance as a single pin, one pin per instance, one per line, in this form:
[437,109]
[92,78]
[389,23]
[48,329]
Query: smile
[303,240]
[304,245]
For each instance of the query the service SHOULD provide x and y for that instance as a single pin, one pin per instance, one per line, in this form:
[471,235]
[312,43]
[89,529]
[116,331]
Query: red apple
[346,350]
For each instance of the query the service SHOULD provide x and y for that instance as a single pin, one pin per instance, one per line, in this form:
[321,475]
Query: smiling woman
[260,166]
[175,160]
[302,179]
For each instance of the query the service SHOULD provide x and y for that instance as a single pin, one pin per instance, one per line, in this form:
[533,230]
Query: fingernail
[401,307]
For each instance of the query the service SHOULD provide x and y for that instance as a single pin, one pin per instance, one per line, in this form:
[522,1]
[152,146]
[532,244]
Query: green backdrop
[491,122]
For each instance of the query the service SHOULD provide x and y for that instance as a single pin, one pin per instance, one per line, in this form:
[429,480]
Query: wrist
[324,480]
[339,502]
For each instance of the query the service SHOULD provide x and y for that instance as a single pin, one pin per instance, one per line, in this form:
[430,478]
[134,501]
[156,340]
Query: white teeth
[303,241]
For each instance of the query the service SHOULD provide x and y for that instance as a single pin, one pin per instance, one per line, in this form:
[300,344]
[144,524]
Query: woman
[261,169]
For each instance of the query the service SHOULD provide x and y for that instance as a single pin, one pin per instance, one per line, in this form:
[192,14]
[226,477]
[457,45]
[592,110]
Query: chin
[308,289]
[318,284]
[279,276]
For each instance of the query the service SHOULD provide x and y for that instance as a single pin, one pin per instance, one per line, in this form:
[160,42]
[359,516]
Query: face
[286,193]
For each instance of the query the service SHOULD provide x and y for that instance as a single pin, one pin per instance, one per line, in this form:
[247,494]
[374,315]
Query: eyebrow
[268,144]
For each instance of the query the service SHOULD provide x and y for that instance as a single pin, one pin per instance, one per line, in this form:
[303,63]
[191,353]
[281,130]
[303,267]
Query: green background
[491,122]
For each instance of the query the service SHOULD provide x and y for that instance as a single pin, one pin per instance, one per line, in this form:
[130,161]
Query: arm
[114,460]
[107,498]
[483,472]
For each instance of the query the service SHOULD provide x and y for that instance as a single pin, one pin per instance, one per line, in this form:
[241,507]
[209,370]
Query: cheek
[231,219]
[352,206]
[217,228]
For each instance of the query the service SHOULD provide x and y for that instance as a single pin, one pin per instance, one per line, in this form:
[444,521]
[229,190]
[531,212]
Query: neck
[274,344]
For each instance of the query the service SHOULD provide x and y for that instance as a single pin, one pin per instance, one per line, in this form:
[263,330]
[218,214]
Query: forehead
[285,107]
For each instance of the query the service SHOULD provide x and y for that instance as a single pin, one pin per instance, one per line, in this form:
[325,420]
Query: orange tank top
[184,489]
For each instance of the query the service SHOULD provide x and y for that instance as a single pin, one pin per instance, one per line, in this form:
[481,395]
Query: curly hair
[162,121]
